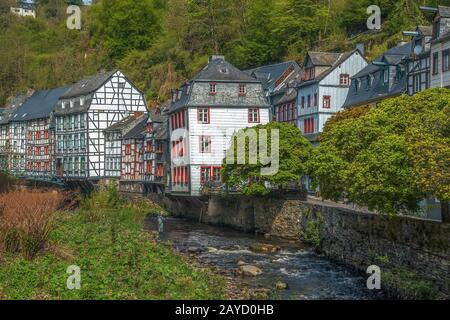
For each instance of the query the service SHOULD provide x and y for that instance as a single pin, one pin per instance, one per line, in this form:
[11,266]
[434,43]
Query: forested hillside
[161,43]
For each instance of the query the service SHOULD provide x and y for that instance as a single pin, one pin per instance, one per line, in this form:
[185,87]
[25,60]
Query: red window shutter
[172,121]
[183,122]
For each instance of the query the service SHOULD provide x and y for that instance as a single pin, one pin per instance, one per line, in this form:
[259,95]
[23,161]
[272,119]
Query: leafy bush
[311,231]
[26,220]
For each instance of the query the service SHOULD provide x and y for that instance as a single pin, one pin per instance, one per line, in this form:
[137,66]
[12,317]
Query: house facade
[418,63]
[38,114]
[156,152]
[440,48]
[83,113]
[24,9]
[113,144]
[204,115]
[323,89]
[132,172]
[274,78]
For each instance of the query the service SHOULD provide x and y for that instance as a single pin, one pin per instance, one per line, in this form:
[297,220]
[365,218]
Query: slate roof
[138,131]
[378,90]
[40,105]
[444,11]
[220,70]
[425,30]
[323,58]
[124,123]
[88,84]
[269,74]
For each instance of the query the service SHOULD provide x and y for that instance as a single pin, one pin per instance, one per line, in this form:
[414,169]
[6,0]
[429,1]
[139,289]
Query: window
[205,144]
[435,63]
[315,99]
[203,115]
[159,147]
[309,73]
[205,174]
[46,150]
[309,100]
[149,167]
[445,62]
[160,171]
[369,81]
[308,125]
[121,85]
[212,88]
[344,80]
[216,175]
[416,83]
[46,134]
[303,101]
[149,146]
[242,90]
[326,102]
[128,149]
[253,115]
[385,76]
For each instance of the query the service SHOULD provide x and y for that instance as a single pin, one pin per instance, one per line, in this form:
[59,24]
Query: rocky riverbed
[261,268]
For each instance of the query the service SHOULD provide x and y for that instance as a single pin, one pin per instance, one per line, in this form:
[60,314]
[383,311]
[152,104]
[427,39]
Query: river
[309,276]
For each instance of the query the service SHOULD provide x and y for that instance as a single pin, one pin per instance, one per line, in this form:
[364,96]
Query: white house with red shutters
[323,88]
[204,114]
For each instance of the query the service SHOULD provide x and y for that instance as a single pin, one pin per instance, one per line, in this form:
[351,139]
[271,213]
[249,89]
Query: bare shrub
[26,220]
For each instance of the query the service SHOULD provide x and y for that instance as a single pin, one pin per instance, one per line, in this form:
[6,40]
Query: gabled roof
[125,123]
[377,91]
[138,131]
[269,74]
[88,84]
[425,30]
[444,11]
[323,58]
[220,70]
[340,59]
[40,105]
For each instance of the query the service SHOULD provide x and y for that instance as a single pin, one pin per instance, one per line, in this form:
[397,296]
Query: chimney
[212,58]
[361,48]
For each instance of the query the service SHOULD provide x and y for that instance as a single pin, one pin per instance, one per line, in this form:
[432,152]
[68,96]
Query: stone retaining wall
[351,237]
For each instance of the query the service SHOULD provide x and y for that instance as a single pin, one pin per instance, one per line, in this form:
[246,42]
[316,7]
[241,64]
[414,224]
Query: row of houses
[100,127]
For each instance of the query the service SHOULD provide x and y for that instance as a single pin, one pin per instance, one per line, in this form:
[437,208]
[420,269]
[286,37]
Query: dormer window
[174,97]
[71,103]
[369,81]
[82,99]
[242,90]
[212,88]
[310,73]
[344,80]
[179,94]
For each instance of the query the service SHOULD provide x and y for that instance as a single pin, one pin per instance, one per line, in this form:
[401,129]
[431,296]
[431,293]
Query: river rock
[249,270]
[281,285]
[264,248]
[194,250]
[267,236]
[242,263]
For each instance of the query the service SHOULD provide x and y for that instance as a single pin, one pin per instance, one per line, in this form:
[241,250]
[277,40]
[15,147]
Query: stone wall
[351,237]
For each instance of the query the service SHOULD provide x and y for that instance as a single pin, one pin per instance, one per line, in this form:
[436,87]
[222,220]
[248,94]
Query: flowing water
[308,275]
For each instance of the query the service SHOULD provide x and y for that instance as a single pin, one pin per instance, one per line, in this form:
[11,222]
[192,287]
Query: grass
[117,259]
[405,284]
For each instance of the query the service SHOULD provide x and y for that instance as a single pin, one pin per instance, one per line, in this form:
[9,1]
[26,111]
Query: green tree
[294,151]
[125,25]
[389,157]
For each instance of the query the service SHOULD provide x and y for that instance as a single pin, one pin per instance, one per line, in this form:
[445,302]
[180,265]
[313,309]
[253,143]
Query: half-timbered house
[156,153]
[113,144]
[204,114]
[132,174]
[6,150]
[323,88]
[83,113]
[37,113]
[418,63]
